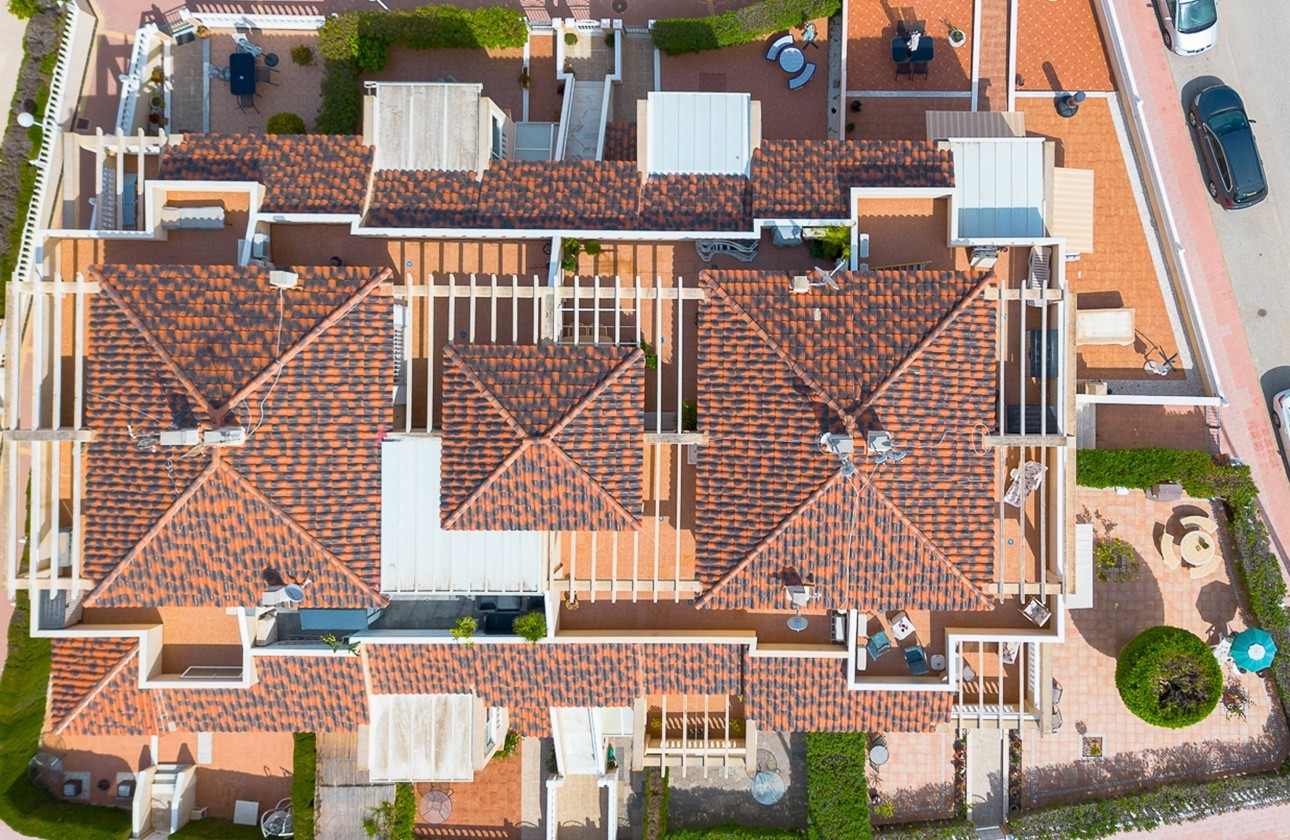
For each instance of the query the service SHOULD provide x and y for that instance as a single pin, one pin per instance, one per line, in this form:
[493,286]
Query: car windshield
[1195,15]
[1226,122]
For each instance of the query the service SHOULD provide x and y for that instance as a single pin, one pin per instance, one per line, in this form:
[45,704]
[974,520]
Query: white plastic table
[436,805]
[791,59]
[878,756]
[768,787]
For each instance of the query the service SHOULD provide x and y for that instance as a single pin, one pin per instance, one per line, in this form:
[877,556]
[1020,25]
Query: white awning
[999,189]
[418,556]
[1073,208]
[421,737]
[958,125]
[698,133]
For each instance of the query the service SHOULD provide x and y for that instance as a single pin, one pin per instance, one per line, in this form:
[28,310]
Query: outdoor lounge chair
[802,78]
[916,659]
[878,644]
[1039,274]
[1104,326]
[777,46]
[1057,719]
[1057,692]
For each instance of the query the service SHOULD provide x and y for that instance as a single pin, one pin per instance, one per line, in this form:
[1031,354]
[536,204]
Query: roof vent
[801,284]
[883,448]
[180,437]
[283,279]
[226,436]
[841,447]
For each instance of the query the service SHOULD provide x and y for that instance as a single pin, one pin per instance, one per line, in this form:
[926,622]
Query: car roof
[1218,98]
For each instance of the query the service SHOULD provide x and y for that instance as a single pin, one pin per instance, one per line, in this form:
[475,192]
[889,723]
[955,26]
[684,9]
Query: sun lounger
[1104,326]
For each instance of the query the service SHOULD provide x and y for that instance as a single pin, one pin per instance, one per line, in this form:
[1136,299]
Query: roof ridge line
[918,532]
[151,534]
[303,533]
[155,344]
[765,541]
[604,494]
[482,386]
[599,388]
[275,367]
[460,510]
[774,345]
[99,684]
[937,330]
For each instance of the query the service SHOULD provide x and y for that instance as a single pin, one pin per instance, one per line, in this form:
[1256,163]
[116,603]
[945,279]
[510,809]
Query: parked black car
[1233,169]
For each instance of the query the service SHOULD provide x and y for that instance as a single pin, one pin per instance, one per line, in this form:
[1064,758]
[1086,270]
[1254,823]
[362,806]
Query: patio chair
[216,72]
[916,659]
[1008,652]
[1036,612]
[1057,719]
[904,68]
[802,78]
[264,75]
[1038,276]
[245,45]
[1057,692]
[966,671]
[777,46]
[921,68]
[878,644]
[246,102]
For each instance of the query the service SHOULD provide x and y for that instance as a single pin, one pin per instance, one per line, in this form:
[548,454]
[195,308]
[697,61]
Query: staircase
[164,791]
[584,129]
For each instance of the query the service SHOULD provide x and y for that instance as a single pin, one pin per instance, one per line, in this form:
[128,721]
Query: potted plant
[302,54]
[464,630]
[157,76]
[1236,701]
[957,37]
[158,101]
[525,81]
[570,38]
[1091,746]
[203,32]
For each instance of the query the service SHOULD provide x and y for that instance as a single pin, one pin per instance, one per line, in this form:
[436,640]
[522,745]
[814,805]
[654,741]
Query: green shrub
[531,625]
[24,9]
[1143,811]
[1168,677]
[938,830]
[689,416]
[25,807]
[570,38]
[833,245]
[371,52]
[394,820]
[464,630]
[304,767]
[1116,560]
[651,358]
[591,247]
[1142,468]
[302,54]
[734,831]
[676,36]
[286,123]
[341,111]
[837,789]
[510,744]
[424,28]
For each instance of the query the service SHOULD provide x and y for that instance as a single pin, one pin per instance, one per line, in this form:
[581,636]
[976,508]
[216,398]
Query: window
[499,140]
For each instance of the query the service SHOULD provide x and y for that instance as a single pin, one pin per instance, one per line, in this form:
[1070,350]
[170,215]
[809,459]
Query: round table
[878,756]
[937,662]
[435,807]
[791,59]
[271,60]
[1197,547]
[768,787]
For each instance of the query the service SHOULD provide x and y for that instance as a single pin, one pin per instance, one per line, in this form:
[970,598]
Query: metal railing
[51,129]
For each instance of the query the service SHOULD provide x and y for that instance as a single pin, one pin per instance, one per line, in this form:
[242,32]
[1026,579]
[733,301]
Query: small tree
[509,745]
[464,630]
[286,123]
[1116,561]
[1168,677]
[302,54]
[531,625]
[394,820]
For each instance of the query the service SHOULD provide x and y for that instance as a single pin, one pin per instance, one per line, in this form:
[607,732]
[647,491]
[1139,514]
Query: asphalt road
[1255,246]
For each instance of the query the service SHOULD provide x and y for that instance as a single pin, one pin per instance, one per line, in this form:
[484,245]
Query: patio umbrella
[1253,649]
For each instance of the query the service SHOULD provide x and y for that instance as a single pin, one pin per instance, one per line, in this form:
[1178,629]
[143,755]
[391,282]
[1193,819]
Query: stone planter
[1092,746]
[957,38]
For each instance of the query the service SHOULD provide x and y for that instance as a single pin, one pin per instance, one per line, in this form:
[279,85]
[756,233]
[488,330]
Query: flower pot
[957,38]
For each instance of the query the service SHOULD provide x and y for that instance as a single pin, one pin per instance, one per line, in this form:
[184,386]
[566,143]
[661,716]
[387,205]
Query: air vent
[283,279]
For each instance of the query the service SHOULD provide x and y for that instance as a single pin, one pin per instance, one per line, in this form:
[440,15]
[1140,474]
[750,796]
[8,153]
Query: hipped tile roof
[181,347]
[911,353]
[545,437]
[302,173]
[296,693]
[530,679]
[620,141]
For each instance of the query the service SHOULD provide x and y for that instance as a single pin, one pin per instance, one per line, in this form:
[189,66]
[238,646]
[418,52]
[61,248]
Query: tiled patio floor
[871,26]
[1137,426]
[292,88]
[1119,271]
[488,807]
[1085,666]
[785,114]
[903,118]
[1059,46]
[497,70]
[918,779]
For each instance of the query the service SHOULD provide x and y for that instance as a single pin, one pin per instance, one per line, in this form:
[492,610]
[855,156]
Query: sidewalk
[1262,824]
[1247,426]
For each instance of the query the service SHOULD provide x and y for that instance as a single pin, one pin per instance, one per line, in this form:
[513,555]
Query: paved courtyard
[698,799]
[1136,752]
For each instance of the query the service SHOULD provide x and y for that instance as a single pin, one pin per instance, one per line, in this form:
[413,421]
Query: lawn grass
[304,768]
[25,807]
[209,829]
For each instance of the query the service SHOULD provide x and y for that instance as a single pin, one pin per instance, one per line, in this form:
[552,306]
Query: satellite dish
[294,592]
[797,623]
[827,277]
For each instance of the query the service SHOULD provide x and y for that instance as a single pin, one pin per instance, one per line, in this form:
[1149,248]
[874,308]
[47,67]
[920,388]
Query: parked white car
[1281,418]
[1189,27]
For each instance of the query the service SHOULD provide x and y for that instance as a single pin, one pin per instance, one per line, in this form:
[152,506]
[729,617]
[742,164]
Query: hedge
[676,36]
[733,831]
[1152,658]
[837,788]
[213,829]
[1142,468]
[304,771]
[938,830]
[27,808]
[1175,803]
[351,42]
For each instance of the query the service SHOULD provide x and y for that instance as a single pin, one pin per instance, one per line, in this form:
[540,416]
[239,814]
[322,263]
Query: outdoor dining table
[768,787]
[900,52]
[436,806]
[791,59]
[241,74]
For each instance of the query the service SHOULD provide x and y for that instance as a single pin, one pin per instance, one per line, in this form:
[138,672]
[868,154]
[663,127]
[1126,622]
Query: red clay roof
[795,694]
[912,353]
[300,498]
[620,141]
[530,679]
[293,693]
[302,173]
[812,179]
[544,437]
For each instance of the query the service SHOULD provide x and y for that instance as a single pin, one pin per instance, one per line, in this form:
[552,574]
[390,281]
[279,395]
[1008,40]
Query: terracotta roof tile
[80,669]
[793,694]
[812,179]
[311,463]
[530,679]
[424,199]
[695,202]
[293,693]
[302,173]
[620,141]
[543,437]
[772,379]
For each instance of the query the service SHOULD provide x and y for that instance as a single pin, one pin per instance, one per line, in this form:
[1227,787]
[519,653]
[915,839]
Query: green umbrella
[1253,649]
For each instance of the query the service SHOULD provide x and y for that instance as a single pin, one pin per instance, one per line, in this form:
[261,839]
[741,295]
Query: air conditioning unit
[180,437]
[283,279]
[226,436]
[801,284]
[879,443]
